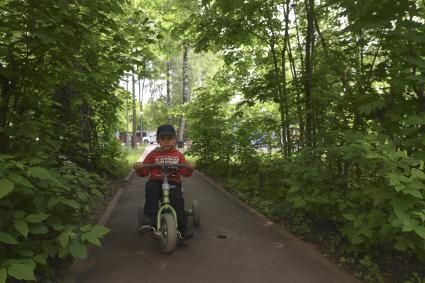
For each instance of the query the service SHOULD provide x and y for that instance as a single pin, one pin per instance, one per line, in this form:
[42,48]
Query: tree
[186,95]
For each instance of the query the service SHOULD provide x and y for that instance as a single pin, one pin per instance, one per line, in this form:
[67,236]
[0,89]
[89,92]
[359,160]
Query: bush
[373,191]
[42,205]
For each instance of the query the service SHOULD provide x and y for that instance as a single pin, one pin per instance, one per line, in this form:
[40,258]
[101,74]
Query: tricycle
[165,226]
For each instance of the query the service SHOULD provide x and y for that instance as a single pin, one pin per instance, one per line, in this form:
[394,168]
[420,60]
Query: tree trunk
[281,102]
[299,83]
[86,123]
[134,136]
[298,91]
[419,91]
[297,29]
[4,109]
[141,90]
[7,88]
[314,100]
[280,91]
[169,90]
[186,95]
[126,114]
[308,75]
[284,82]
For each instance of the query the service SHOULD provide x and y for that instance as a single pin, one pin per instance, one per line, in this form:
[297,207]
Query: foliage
[134,155]
[44,203]
[60,64]
[343,82]
[316,115]
[369,189]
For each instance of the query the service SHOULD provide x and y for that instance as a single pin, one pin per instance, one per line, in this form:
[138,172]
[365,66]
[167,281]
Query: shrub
[42,205]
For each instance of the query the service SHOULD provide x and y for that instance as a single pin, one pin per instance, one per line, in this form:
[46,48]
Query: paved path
[253,250]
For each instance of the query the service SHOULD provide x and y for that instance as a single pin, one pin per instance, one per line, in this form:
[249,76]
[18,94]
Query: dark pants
[153,193]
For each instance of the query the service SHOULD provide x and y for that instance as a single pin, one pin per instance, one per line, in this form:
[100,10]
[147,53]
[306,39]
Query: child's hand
[138,165]
[190,166]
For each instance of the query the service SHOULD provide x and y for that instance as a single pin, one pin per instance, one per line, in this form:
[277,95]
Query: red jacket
[159,155]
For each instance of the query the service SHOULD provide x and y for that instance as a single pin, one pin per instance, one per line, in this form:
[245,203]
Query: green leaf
[26,253]
[38,228]
[7,238]
[91,238]
[3,275]
[350,217]
[36,217]
[400,205]
[66,30]
[64,238]
[375,105]
[40,173]
[294,188]
[55,222]
[6,187]
[52,202]
[421,215]
[401,244]
[420,230]
[401,215]
[40,259]
[71,203]
[394,180]
[418,174]
[19,214]
[299,202]
[409,224]
[99,231]
[21,227]
[82,195]
[78,250]
[35,161]
[86,228]
[20,165]
[358,239]
[416,60]
[413,192]
[97,193]
[18,179]
[21,271]
[45,37]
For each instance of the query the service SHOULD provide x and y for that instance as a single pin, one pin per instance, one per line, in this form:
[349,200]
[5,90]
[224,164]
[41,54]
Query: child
[165,153]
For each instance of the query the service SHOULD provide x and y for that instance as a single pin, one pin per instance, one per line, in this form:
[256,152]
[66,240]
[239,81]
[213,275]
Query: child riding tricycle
[165,164]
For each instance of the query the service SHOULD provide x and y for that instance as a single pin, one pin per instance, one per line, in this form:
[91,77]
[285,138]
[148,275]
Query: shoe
[186,233]
[148,220]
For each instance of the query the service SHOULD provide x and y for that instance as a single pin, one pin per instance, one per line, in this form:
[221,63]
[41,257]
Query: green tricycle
[166,221]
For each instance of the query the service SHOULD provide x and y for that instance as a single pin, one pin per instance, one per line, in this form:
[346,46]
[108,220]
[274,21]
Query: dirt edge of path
[69,273]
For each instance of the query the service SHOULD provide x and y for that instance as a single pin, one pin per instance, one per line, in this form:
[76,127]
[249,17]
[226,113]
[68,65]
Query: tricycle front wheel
[168,232]
[195,213]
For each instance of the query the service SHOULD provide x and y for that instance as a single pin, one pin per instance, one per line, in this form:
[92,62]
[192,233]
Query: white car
[150,138]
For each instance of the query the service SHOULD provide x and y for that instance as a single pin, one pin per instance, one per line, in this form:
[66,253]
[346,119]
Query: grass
[133,154]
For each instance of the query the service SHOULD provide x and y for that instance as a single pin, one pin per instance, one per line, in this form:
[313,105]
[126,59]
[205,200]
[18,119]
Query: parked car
[150,138]
[121,136]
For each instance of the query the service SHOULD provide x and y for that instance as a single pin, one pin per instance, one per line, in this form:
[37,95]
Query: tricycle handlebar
[165,165]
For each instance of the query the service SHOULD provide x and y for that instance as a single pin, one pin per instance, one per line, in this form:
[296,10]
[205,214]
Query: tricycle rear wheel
[140,215]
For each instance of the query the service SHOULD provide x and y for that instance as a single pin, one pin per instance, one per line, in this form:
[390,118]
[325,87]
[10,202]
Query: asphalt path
[232,244]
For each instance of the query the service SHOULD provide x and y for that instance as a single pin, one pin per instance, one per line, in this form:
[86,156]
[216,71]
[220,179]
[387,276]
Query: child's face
[166,142]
